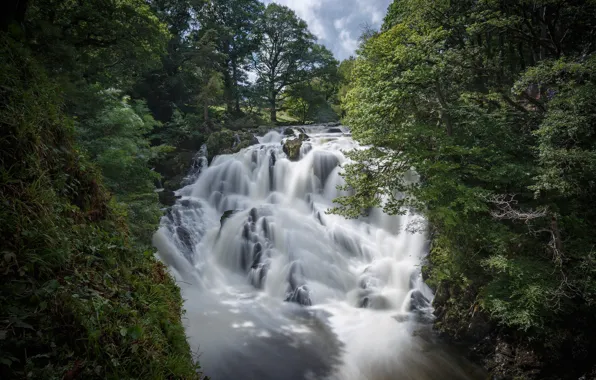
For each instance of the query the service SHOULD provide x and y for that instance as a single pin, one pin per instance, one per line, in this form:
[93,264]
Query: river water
[275,288]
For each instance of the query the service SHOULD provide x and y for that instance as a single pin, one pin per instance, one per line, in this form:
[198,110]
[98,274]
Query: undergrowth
[78,300]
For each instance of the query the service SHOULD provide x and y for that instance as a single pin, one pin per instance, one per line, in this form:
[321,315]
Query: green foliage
[116,141]
[288,58]
[305,101]
[345,70]
[219,142]
[78,299]
[492,105]
[234,22]
[108,44]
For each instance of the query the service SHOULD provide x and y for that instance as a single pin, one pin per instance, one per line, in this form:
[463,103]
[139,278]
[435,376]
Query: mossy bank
[78,299]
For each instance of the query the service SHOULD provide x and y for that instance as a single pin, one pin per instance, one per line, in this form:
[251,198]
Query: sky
[338,23]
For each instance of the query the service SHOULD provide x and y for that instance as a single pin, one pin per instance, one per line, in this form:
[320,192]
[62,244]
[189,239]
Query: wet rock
[245,258]
[303,137]
[298,292]
[272,161]
[418,301]
[253,214]
[364,303]
[184,236]
[257,252]
[291,148]
[265,228]
[190,203]
[324,164]
[257,274]
[237,141]
[300,295]
[288,132]
[320,218]
[167,198]
[334,130]
[226,215]
[306,148]
[367,299]
[246,231]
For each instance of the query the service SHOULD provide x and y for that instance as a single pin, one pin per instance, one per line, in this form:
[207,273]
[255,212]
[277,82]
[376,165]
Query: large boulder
[289,132]
[291,148]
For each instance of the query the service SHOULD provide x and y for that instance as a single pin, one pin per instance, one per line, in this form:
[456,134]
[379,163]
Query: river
[276,288]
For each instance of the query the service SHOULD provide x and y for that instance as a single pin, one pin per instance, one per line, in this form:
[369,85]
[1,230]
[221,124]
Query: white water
[282,290]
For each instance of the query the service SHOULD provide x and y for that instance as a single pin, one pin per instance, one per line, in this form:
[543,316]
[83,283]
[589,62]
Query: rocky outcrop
[291,148]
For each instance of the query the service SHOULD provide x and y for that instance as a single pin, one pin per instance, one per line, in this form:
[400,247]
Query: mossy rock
[219,142]
[292,149]
[288,132]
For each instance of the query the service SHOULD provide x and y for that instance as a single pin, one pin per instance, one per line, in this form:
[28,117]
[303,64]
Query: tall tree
[288,54]
[234,23]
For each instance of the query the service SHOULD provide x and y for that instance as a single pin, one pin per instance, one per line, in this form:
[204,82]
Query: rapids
[276,288]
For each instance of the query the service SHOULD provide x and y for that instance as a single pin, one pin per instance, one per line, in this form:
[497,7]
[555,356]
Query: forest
[104,104]
[493,104]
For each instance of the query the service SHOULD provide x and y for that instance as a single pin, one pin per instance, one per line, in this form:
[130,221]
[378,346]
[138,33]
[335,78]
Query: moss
[78,299]
[291,148]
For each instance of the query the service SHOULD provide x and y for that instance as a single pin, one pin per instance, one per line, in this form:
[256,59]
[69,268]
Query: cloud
[339,23]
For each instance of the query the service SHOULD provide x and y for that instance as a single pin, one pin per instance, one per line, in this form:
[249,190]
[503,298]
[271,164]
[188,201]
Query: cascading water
[275,288]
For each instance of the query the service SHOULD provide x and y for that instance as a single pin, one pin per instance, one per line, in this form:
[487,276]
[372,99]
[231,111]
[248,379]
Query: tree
[491,103]
[345,80]
[304,100]
[234,23]
[191,57]
[288,54]
[99,44]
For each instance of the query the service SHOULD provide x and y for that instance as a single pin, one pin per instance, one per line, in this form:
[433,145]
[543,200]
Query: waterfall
[277,288]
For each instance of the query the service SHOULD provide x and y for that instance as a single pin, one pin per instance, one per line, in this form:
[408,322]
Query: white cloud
[338,23]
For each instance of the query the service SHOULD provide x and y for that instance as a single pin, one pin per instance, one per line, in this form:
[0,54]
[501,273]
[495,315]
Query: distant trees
[235,25]
[287,55]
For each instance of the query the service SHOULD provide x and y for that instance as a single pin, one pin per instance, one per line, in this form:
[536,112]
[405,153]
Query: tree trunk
[236,93]
[228,81]
[304,112]
[228,91]
[444,112]
[273,110]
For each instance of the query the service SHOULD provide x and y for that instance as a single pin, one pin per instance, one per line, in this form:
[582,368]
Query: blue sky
[338,23]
